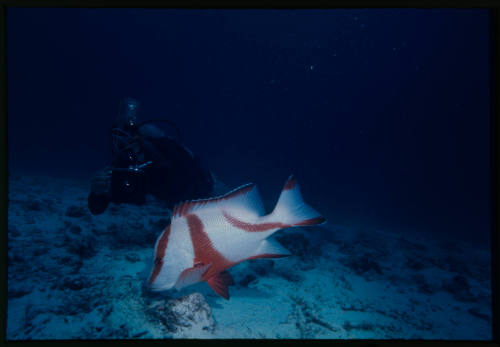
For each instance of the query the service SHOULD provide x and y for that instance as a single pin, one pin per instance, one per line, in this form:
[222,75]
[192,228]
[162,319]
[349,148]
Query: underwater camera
[128,184]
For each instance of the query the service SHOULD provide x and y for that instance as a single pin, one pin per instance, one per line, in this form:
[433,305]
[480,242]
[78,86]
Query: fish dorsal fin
[245,197]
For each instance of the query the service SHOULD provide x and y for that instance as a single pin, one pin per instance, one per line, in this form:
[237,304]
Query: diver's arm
[151,131]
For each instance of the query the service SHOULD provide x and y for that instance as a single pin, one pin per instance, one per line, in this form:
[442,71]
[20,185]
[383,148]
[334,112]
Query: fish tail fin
[291,208]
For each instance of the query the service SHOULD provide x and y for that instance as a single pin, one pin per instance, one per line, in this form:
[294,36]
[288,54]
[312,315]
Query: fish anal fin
[220,282]
[270,248]
[268,255]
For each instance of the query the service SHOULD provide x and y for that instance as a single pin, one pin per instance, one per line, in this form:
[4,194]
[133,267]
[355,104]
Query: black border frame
[494,30]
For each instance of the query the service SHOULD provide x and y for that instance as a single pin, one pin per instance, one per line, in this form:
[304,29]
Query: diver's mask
[128,113]
[126,126]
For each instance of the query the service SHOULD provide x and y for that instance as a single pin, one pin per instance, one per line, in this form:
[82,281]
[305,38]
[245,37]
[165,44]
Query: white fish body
[207,237]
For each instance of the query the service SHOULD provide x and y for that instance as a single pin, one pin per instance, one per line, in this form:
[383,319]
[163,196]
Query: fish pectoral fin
[220,282]
[191,276]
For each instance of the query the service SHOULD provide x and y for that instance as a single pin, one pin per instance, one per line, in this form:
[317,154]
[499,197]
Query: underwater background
[382,115]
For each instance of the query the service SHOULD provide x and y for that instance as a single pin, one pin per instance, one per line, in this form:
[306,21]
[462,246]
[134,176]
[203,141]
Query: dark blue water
[383,115]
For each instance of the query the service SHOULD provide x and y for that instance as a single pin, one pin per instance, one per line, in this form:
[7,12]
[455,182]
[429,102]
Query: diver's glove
[100,191]
[100,184]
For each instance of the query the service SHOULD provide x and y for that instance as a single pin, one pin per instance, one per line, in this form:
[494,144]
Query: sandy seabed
[72,275]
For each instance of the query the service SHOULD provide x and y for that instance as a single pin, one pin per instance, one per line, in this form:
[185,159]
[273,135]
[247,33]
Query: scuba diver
[147,161]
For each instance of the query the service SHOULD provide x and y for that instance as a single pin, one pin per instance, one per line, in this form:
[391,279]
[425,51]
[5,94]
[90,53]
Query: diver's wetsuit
[174,174]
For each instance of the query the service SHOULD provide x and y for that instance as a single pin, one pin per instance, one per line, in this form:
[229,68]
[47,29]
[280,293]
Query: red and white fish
[207,237]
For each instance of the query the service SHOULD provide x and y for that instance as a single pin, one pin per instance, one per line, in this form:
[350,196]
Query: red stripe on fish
[290,184]
[183,209]
[312,221]
[253,227]
[160,253]
[204,251]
